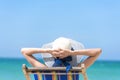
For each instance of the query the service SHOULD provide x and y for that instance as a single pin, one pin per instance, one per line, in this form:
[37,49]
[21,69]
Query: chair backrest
[55,72]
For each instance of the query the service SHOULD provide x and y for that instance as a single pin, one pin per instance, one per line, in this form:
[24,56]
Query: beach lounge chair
[54,73]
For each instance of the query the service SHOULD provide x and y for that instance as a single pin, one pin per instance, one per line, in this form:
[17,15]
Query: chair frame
[38,70]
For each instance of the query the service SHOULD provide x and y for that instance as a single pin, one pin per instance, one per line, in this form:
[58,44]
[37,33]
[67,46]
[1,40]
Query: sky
[32,23]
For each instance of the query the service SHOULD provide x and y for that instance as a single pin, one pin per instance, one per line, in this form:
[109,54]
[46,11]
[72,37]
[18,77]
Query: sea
[11,69]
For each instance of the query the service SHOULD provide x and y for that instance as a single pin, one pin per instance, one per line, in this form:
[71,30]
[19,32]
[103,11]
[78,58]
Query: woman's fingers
[55,54]
[61,53]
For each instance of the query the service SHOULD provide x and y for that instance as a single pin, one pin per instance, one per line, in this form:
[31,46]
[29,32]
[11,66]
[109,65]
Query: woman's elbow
[24,51]
[99,50]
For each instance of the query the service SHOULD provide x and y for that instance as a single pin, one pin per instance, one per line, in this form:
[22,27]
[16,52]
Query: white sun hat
[63,43]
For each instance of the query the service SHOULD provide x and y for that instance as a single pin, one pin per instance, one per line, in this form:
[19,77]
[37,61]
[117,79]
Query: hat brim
[48,58]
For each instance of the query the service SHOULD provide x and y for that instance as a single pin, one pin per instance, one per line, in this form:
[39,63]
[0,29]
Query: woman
[61,48]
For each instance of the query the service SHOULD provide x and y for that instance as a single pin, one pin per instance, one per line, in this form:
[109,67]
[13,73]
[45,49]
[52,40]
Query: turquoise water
[11,69]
